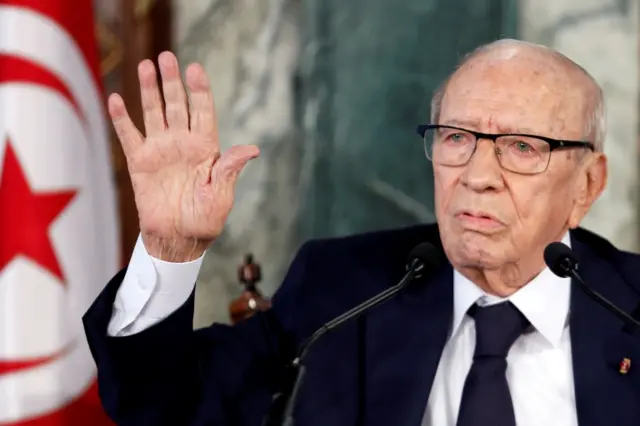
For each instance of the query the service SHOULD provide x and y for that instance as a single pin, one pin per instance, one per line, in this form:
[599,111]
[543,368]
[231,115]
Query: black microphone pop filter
[424,256]
[560,259]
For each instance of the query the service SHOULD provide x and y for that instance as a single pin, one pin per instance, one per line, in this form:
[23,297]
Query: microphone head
[424,256]
[560,259]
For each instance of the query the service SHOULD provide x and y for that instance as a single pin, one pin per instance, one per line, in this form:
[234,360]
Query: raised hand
[184,187]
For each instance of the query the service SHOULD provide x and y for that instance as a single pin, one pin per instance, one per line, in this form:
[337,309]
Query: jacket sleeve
[170,374]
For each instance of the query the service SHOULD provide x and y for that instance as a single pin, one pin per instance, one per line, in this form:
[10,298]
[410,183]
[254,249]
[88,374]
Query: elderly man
[490,337]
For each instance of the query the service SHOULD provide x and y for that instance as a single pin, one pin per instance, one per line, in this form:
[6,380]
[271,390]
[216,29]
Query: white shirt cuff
[151,290]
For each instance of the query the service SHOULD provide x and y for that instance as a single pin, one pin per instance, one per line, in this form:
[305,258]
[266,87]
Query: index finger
[128,134]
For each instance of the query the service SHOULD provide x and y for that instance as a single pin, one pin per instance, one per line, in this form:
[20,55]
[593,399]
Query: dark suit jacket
[377,370]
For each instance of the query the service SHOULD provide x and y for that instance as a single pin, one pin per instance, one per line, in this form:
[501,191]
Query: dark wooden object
[251,300]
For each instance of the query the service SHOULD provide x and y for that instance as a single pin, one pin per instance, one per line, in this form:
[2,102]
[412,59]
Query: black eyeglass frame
[553,143]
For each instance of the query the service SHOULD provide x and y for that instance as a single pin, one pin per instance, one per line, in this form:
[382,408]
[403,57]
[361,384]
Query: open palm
[183,186]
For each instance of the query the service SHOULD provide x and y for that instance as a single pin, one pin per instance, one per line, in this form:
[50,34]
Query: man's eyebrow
[469,124]
[475,125]
[519,130]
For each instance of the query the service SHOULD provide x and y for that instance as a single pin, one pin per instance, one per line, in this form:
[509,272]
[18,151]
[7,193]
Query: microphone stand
[414,270]
[622,315]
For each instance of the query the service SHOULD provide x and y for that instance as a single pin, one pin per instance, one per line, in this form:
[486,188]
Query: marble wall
[602,36]
[368,81]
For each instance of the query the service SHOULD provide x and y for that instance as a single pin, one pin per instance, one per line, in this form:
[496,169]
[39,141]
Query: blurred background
[331,91]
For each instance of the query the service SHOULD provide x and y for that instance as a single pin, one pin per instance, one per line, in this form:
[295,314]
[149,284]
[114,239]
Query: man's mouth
[479,220]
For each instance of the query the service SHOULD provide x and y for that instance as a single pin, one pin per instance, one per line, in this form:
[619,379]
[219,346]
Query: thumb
[231,163]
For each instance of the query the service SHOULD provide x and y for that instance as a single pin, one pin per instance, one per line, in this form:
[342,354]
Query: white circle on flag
[57,150]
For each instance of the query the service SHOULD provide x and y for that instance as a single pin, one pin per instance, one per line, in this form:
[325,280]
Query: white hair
[596,119]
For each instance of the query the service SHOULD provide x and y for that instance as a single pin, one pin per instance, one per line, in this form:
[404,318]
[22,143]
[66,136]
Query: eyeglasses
[519,153]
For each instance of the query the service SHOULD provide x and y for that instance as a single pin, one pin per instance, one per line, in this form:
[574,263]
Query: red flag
[58,220]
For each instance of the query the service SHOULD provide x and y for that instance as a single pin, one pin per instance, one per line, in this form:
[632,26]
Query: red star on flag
[25,217]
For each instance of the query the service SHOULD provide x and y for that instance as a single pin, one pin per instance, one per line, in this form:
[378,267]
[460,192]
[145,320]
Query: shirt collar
[544,301]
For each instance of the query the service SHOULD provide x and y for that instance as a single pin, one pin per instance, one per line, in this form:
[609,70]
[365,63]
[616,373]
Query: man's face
[490,217]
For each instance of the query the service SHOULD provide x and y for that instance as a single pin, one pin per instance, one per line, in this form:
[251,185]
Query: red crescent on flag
[7,367]
[15,366]
[14,69]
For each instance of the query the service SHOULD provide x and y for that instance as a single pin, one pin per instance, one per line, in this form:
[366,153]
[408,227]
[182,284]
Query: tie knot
[497,328]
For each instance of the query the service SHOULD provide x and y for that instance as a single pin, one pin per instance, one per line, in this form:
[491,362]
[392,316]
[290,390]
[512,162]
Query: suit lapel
[404,342]
[603,394]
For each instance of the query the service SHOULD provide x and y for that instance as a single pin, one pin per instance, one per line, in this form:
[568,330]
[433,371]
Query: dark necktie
[486,400]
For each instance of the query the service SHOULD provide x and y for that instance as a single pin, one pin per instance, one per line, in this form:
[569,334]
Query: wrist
[174,250]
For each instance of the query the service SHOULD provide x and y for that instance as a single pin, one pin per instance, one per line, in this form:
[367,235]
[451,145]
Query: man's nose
[483,171]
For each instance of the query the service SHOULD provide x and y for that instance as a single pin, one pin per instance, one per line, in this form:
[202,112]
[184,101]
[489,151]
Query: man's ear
[588,186]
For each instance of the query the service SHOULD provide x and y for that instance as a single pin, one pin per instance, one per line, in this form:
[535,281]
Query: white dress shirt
[539,372]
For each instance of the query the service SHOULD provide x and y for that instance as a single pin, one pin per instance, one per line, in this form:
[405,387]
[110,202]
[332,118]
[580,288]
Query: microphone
[562,262]
[422,258]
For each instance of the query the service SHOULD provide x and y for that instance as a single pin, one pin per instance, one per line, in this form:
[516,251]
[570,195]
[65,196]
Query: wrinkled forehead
[525,96]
